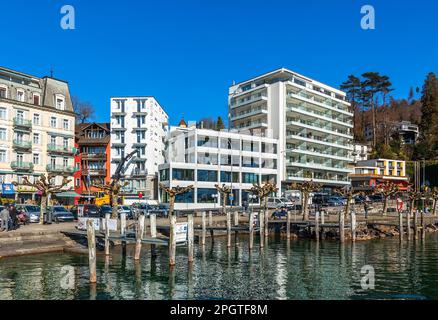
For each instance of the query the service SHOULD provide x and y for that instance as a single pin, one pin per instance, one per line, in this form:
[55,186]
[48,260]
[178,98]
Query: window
[65,124]
[3,92]
[183,174]
[36,158]
[65,143]
[164,175]
[59,103]
[36,138]
[36,99]
[2,113]
[65,162]
[52,140]
[20,95]
[2,134]
[185,197]
[2,155]
[53,122]
[207,175]
[226,176]
[78,182]
[206,195]
[250,177]
[36,119]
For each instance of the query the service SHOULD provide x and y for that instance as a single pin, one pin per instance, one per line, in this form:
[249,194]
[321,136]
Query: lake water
[304,269]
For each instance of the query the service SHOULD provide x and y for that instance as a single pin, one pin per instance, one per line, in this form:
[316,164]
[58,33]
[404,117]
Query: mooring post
[139,236]
[423,226]
[341,226]
[190,236]
[317,225]
[266,225]
[172,239]
[123,231]
[322,217]
[416,224]
[288,225]
[236,218]
[251,230]
[408,224]
[262,227]
[153,226]
[353,224]
[228,229]
[204,228]
[91,250]
[107,250]
[400,224]
[210,219]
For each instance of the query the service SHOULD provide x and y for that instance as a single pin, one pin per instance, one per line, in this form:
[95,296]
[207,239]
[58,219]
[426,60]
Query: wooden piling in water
[288,225]
[107,249]
[228,229]
[123,231]
[236,224]
[317,225]
[341,227]
[400,225]
[251,230]
[262,227]
[210,219]
[153,227]
[139,236]
[266,224]
[190,236]
[322,217]
[353,225]
[91,250]
[204,228]
[408,224]
[423,226]
[172,240]
[416,225]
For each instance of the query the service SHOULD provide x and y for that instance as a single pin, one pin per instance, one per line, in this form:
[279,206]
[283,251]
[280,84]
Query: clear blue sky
[186,53]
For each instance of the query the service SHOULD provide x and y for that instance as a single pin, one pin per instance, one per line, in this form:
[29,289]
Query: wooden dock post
[236,224]
[317,225]
[153,227]
[190,236]
[139,236]
[288,225]
[423,226]
[408,224]
[341,226]
[353,224]
[204,228]
[123,231]
[400,225]
[322,217]
[91,250]
[266,224]
[228,229]
[210,219]
[172,240]
[251,230]
[262,227]
[107,250]
[416,225]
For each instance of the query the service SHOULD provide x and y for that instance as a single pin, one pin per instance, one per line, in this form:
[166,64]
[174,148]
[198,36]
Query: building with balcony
[138,123]
[360,152]
[312,122]
[36,129]
[203,158]
[93,162]
[408,132]
[370,173]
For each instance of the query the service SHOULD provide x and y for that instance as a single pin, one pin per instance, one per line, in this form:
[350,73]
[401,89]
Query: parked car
[274,203]
[31,211]
[126,210]
[376,197]
[105,209]
[359,199]
[335,201]
[89,210]
[60,214]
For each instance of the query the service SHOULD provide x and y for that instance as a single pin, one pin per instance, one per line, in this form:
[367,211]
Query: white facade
[204,158]
[138,123]
[360,152]
[311,121]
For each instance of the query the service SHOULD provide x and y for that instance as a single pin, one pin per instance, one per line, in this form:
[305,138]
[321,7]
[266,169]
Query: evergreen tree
[219,124]
[429,117]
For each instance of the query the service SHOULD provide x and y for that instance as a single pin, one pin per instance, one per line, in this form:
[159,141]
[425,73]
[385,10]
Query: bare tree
[387,189]
[262,192]
[84,110]
[224,192]
[173,192]
[306,188]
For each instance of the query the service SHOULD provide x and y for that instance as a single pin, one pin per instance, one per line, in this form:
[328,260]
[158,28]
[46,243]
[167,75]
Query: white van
[274,203]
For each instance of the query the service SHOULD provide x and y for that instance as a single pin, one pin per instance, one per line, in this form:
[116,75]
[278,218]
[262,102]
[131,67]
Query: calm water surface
[302,270]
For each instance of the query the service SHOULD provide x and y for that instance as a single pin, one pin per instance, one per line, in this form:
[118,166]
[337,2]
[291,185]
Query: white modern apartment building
[36,131]
[138,123]
[204,158]
[312,122]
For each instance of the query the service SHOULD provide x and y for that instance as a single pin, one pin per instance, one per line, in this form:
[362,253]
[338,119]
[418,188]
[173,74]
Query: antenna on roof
[51,72]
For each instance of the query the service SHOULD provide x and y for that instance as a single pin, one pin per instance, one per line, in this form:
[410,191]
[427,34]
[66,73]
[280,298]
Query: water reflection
[296,269]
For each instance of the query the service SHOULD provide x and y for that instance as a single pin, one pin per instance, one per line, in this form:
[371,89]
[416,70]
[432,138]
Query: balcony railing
[23,123]
[20,165]
[61,149]
[21,144]
[60,168]
[94,155]
[94,172]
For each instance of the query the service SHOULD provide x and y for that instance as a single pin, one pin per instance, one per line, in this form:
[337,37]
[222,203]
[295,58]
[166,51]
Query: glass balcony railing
[60,168]
[20,165]
[20,122]
[61,148]
[21,144]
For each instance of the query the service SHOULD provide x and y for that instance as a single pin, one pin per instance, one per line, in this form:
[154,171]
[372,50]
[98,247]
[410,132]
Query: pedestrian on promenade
[4,214]
[13,213]
[365,208]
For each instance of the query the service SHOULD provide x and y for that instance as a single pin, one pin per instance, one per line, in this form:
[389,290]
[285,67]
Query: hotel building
[138,123]
[36,131]
[312,122]
[204,158]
